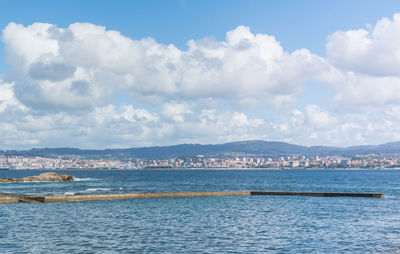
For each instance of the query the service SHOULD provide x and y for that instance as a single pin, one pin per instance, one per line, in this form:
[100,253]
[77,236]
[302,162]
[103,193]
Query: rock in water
[44,177]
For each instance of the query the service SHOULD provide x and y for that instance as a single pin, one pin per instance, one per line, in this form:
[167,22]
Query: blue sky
[323,89]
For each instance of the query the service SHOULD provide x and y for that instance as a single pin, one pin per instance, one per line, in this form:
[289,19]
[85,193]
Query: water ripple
[243,224]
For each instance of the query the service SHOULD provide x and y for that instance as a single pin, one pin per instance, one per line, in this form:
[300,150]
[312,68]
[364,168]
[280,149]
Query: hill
[243,148]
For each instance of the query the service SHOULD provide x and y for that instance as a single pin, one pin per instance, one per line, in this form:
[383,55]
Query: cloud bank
[65,85]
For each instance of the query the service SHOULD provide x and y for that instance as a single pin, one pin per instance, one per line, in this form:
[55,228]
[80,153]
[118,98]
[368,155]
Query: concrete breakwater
[6,198]
[318,194]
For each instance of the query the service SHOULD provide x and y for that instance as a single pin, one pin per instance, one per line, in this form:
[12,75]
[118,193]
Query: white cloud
[373,52]
[175,111]
[64,85]
[85,65]
[367,62]
[7,98]
[246,67]
[319,119]
[360,93]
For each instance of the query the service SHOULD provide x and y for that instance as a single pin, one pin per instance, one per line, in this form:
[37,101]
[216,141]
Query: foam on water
[97,189]
[69,193]
[77,179]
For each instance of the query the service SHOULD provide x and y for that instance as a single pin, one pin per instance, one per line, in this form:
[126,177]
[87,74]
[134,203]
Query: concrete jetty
[319,194]
[6,198]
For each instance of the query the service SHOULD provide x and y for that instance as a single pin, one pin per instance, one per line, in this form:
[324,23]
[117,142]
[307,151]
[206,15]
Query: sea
[236,224]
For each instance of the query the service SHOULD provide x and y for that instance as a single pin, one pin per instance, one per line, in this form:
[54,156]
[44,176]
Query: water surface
[242,224]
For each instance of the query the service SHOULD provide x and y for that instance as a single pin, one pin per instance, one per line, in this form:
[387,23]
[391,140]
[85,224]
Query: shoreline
[216,169]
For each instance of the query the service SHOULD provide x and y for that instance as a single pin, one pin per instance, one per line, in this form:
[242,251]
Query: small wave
[71,193]
[97,189]
[77,179]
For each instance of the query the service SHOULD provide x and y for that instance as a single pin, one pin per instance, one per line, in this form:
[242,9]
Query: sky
[117,74]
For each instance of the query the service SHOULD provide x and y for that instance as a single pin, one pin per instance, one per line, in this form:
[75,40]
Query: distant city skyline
[99,74]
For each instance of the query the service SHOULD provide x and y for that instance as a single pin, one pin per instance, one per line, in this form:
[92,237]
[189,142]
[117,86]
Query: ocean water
[242,224]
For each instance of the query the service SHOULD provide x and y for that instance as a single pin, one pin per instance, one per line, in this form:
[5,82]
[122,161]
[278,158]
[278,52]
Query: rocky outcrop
[44,177]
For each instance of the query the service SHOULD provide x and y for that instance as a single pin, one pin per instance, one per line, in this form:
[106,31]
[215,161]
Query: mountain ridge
[259,148]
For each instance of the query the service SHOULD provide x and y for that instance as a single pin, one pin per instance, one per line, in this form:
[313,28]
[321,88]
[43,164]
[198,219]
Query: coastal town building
[289,162]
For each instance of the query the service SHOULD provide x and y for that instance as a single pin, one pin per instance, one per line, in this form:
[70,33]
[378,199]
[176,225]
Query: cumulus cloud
[366,64]
[374,52]
[7,98]
[246,69]
[360,93]
[64,86]
[318,118]
[127,126]
[120,126]
[48,70]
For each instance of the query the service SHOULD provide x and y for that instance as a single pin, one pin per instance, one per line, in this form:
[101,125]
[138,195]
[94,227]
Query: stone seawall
[6,198]
[143,195]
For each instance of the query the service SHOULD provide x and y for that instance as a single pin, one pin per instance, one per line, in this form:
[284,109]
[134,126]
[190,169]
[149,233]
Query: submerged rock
[44,177]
